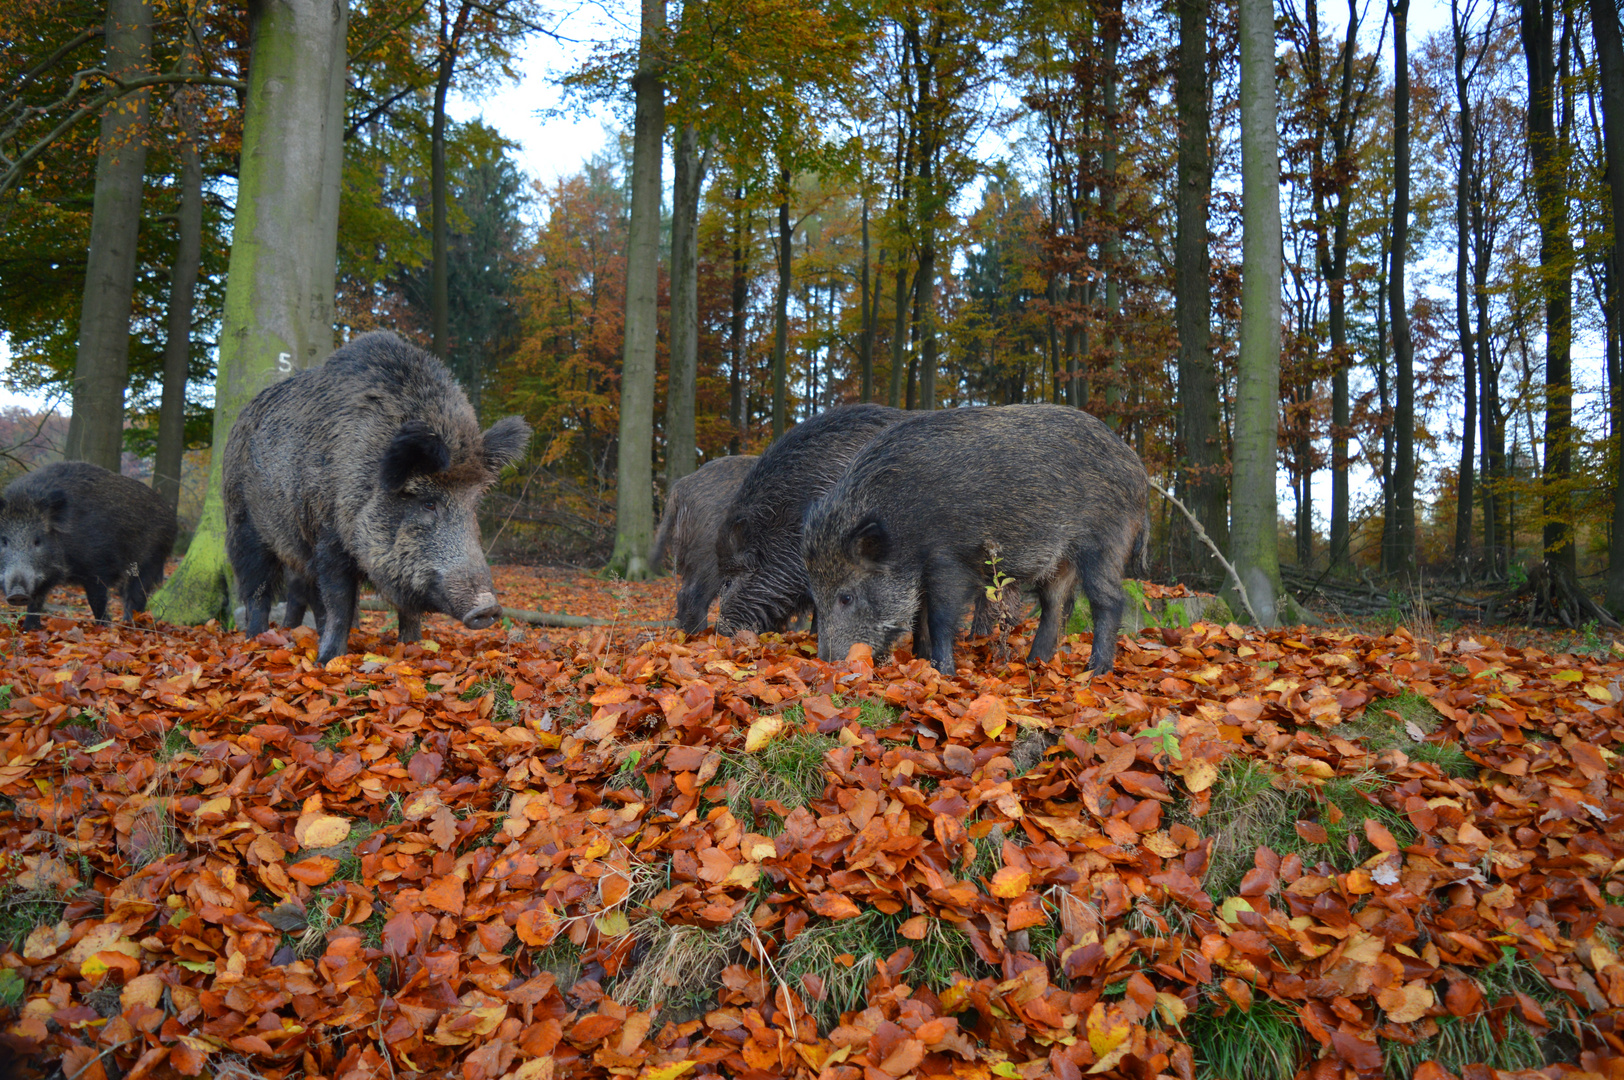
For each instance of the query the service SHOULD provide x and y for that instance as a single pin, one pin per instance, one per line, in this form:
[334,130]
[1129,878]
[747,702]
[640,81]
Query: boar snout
[483,613]
[17,598]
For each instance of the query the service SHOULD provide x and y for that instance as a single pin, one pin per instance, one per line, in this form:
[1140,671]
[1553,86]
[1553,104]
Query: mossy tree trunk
[689,167]
[284,254]
[1252,538]
[634,470]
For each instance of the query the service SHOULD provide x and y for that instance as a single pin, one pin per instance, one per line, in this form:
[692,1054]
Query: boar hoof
[483,613]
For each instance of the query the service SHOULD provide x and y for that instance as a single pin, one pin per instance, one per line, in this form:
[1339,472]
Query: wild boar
[76,523]
[369,467]
[1048,494]
[758,548]
[693,514]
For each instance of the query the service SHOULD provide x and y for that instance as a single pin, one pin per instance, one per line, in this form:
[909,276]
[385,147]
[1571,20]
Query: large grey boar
[76,523]
[367,467]
[693,514]
[902,541]
[758,548]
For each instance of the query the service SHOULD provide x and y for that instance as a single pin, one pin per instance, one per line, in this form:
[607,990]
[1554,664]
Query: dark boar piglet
[758,548]
[76,523]
[693,513]
[902,541]
[368,467]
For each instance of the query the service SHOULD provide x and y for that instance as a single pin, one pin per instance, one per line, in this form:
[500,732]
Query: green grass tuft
[790,772]
[1380,732]
[177,739]
[5,696]
[504,710]
[1263,1043]
[876,714]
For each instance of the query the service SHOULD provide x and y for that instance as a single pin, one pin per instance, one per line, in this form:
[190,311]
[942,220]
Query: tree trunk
[439,228]
[1548,159]
[1204,482]
[278,313]
[1463,299]
[899,335]
[101,369]
[865,346]
[634,469]
[786,234]
[1253,539]
[925,286]
[1111,247]
[689,180]
[166,466]
[1610,62]
[741,299]
[1400,556]
[1341,419]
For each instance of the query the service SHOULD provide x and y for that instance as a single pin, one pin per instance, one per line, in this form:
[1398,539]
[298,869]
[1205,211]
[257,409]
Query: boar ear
[869,541]
[505,442]
[415,451]
[54,505]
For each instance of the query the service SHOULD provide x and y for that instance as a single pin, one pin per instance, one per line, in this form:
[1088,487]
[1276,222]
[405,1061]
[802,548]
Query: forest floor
[1334,851]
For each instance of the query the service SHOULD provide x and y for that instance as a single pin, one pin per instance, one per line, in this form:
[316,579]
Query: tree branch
[1240,588]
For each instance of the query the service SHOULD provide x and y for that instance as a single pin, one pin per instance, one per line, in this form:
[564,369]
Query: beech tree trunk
[439,227]
[1610,62]
[1252,542]
[101,369]
[278,313]
[741,298]
[1205,485]
[1465,494]
[1546,153]
[634,481]
[166,467]
[870,298]
[688,181]
[1400,553]
[786,233]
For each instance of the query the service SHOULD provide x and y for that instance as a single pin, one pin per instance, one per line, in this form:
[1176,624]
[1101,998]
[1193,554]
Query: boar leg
[96,596]
[411,626]
[36,608]
[1103,587]
[948,591]
[693,606]
[135,596]
[1055,594]
[258,571]
[337,582]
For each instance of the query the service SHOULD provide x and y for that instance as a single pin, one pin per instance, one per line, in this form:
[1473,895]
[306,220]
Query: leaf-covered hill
[616,852]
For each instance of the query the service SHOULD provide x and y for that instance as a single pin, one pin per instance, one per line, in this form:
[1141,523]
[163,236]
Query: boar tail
[663,538]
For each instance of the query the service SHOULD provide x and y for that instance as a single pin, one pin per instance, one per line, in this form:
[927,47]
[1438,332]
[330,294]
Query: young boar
[367,467]
[902,541]
[758,548]
[693,514]
[78,523]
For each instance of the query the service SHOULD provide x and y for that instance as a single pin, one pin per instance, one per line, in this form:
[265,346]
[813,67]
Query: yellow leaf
[1199,775]
[763,731]
[669,1071]
[613,924]
[1005,1068]
[1172,1007]
[1231,907]
[321,830]
[1569,676]
[1107,1028]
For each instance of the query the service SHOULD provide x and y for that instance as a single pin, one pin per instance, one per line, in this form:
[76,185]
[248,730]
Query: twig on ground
[1240,589]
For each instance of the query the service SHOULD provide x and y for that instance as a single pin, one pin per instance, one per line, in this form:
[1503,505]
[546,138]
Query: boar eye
[845,599]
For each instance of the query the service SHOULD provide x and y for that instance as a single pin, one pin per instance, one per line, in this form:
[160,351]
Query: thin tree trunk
[278,314]
[689,179]
[166,466]
[1401,554]
[634,469]
[1111,248]
[1610,63]
[439,227]
[786,235]
[1463,300]
[1205,485]
[1253,539]
[1384,398]
[865,346]
[899,335]
[741,298]
[101,369]
[1546,152]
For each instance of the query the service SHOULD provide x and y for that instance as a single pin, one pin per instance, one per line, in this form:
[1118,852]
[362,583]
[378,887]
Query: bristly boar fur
[76,523]
[371,467]
[694,509]
[902,541]
[758,548]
